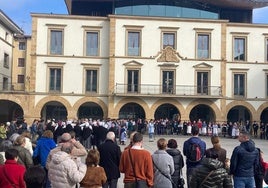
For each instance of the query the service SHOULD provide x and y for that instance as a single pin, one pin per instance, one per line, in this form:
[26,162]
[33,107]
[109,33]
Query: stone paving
[228,143]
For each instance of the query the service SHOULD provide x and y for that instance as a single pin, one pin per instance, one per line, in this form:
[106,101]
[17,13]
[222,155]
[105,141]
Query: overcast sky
[19,11]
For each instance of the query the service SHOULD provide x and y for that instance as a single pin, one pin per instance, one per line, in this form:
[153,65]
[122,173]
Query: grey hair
[110,135]
[67,147]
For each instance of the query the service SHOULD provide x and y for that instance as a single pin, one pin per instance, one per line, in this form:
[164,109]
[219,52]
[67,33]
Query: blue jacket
[243,159]
[186,148]
[42,149]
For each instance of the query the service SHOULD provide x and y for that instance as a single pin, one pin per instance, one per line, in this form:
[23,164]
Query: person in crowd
[95,175]
[216,149]
[35,177]
[25,157]
[200,145]
[178,162]
[44,145]
[259,170]
[255,128]
[3,132]
[64,170]
[211,173]
[110,154]
[13,137]
[136,163]
[123,135]
[130,140]
[163,165]
[11,173]
[78,150]
[28,141]
[151,130]
[4,145]
[243,160]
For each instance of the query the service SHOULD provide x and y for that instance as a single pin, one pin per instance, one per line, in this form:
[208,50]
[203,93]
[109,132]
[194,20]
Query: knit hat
[65,137]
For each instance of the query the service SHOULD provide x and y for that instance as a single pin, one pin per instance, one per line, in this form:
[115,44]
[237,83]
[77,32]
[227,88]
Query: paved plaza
[227,143]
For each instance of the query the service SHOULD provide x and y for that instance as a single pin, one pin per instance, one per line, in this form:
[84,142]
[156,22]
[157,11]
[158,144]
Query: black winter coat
[178,164]
[219,178]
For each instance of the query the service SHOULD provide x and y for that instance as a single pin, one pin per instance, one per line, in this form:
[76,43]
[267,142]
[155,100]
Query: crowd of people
[86,153]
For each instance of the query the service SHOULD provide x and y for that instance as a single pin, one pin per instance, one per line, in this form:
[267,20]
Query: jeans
[244,182]
[110,183]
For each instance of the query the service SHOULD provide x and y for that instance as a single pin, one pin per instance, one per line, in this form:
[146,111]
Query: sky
[19,11]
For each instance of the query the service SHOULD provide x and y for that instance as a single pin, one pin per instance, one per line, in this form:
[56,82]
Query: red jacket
[12,173]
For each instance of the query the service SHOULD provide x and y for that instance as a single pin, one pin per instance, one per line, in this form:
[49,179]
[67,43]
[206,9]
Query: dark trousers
[110,183]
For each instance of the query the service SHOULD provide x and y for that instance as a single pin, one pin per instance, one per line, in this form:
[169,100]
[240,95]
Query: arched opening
[264,116]
[10,111]
[131,111]
[90,110]
[238,114]
[167,111]
[54,110]
[203,112]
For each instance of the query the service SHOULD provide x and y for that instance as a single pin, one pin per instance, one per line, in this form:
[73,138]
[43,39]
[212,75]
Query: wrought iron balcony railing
[177,90]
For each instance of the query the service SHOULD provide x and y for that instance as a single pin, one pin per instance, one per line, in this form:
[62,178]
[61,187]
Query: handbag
[181,181]
[138,183]
[172,182]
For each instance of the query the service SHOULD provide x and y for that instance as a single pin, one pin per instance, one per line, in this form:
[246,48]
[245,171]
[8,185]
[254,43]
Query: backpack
[194,154]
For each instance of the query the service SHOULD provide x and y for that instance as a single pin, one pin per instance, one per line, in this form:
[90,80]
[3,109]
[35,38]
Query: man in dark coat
[110,154]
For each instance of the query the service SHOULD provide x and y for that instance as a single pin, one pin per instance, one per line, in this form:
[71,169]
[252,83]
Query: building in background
[147,59]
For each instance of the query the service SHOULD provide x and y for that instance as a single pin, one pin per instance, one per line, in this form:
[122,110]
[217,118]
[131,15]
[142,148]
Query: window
[55,79]
[22,46]
[6,60]
[266,85]
[239,49]
[169,40]
[132,80]
[20,79]
[56,42]
[91,80]
[5,83]
[239,85]
[21,62]
[133,43]
[266,50]
[203,46]
[202,83]
[168,82]
[92,43]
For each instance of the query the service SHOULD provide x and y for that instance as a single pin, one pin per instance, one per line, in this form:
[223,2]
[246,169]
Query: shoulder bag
[181,181]
[173,184]
[138,183]
[206,178]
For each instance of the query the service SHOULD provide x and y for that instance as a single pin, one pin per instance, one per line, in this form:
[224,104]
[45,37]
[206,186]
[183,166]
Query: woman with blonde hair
[163,166]
[95,176]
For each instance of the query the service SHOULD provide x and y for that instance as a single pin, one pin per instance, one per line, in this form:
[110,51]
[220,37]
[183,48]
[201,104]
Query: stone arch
[47,99]
[211,104]
[90,99]
[19,100]
[244,104]
[261,108]
[139,101]
[174,102]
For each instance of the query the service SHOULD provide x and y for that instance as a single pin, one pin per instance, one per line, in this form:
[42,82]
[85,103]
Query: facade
[8,30]
[129,66]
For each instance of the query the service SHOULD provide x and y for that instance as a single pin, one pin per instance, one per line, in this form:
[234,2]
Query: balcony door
[167,81]
[132,80]
[202,83]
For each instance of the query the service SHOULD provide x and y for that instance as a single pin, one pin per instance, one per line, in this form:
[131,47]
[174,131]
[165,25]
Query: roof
[232,4]
[9,24]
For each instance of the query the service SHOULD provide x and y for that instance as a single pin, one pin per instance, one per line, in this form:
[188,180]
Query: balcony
[182,91]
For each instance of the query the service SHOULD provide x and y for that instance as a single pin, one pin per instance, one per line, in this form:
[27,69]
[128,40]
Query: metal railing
[177,90]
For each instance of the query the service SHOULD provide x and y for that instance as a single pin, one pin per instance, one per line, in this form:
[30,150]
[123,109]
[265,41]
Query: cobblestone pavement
[227,143]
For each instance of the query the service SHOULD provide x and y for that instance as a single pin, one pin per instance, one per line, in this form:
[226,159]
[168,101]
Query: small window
[203,42]
[91,80]
[6,60]
[92,44]
[266,49]
[5,83]
[21,62]
[22,46]
[55,79]
[56,42]
[239,85]
[266,85]
[169,40]
[239,49]
[20,79]
[133,43]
